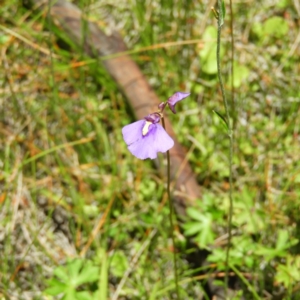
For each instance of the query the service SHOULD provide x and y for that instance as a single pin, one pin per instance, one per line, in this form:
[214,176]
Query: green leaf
[153,291]
[283,3]
[288,274]
[241,73]
[61,273]
[257,29]
[84,295]
[119,263]
[284,241]
[4,39]
[270,253]
[246,147]
[276,26]
[203,228]
[96,295]
[73,274]
[209,65]
[222,118]
[194,213]
[74,267]
[192,228]
[208,54]
[223,9]
[56,287]
[206,235]
[88,274]
[70,294]
[218,255]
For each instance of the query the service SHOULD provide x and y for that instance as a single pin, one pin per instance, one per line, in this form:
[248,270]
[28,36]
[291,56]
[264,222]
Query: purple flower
[145,138]
[175,98]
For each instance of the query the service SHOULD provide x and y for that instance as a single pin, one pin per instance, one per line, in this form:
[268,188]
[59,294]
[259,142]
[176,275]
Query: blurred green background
[81,218]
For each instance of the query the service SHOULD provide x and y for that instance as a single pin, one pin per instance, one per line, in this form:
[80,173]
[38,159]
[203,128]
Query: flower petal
[142,149]
[162,141]
[157,140]
[153,118]
[178,96]
[133,132]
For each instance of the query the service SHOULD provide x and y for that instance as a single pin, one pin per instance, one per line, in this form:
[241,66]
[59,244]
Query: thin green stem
[171,215]
[234,111]
[230,135]
[245,281]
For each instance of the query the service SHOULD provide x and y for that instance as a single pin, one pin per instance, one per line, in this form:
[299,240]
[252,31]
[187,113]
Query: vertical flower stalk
[171,216]
[220,18]
[144,139]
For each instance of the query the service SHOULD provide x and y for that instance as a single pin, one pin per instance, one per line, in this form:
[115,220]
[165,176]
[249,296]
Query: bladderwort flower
[145,138]
[176,98]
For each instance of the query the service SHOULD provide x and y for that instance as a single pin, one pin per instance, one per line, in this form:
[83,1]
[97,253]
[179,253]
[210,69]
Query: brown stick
[131,81]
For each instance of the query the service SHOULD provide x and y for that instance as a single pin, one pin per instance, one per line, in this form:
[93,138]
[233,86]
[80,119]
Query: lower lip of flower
[145,129]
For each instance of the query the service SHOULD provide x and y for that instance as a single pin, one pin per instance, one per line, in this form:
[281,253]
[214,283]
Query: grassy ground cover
[80,217]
